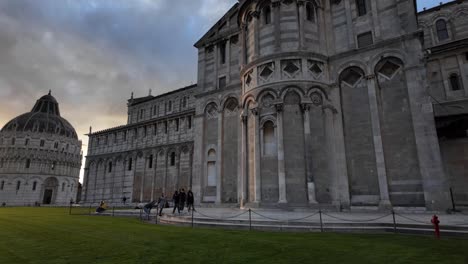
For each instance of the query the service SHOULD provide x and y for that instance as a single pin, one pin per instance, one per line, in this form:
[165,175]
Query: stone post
[243,158]
[281,172]
[258,186]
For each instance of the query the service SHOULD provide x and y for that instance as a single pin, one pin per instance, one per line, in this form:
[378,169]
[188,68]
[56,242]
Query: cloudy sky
[93,53]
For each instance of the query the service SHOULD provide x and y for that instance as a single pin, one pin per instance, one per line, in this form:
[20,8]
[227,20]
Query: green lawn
[46,235]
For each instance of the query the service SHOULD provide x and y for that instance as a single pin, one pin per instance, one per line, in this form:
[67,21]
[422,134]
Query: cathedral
[40,157]
[304,103]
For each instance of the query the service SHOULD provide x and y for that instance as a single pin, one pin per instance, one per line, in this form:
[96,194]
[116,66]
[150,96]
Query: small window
[173,156]
[455,82]
[63,187]
[1,163]
[361,7]
[13,141]
[170,106]
[150,162]
[177,124]
[106,140]
[267,15]
[145,130]
[222,82]
[222,52]
[365,39]
[34,186]
[466,58]
[135,132]
[189,122]
[28,163]
[165,127]
[18,185]
[110,167]
[53,165]
[115,138]
[130,161]
[2,185]
[124,136]
[26,142]
[155,129]
[56,145]
[142,113]
[184,103]
[155,109]
[310,13]
[442,31]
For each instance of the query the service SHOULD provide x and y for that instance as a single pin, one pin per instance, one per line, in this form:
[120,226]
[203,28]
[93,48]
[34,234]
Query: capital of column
[279,107]
[370,77]
[305,107]
[254,111]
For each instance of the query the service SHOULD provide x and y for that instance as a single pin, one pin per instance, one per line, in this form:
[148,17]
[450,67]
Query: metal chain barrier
[411,219]
[285,220]
[355,220]
[225,218]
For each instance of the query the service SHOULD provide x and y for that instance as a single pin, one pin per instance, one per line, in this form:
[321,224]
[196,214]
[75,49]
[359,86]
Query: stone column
[258,186]
[216,66]
[276,17]
[228,61]
[307,156]
[378,145]
[301,20]
[142,186]
[153,179]
[243,40]
[165,172]
[256,17]
[85,184]
[241,183]
[219,157]
[281,172]
[191,166]
[178,155]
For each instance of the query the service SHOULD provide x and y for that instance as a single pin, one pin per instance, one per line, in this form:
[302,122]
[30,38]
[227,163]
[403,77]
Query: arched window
[211,168]
[63,187]
[310,12]
[18,185]
[455,82]
[361,7]
[28,163]
[173,156]
[2,185]
[34,186]
[269,142]
[110,167]
[442,31]
[267,15]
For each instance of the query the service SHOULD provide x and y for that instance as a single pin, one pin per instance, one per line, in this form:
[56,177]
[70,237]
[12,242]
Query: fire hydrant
[435,221]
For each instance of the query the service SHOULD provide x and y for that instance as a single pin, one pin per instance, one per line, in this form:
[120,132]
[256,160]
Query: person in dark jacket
[182,198]
[147,208]
[190,200]
[161,203]
[175,199]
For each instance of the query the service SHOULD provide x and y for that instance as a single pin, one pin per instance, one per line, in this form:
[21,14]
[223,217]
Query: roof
[140,100]
[43,118]
[437,8]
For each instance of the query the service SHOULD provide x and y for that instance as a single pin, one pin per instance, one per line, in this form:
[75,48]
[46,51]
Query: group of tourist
[179,198]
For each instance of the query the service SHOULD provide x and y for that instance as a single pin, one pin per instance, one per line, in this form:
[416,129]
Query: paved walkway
[313,216]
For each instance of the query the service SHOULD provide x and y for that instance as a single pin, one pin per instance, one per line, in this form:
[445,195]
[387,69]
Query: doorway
[47,196]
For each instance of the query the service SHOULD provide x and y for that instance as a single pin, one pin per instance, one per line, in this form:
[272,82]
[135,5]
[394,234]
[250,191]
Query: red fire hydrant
[435,221]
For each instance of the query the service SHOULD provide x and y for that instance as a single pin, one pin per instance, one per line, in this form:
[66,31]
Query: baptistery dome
[40,157]
[44,117]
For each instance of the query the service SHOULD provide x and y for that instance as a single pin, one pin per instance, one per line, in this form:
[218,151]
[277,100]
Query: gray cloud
[93,53]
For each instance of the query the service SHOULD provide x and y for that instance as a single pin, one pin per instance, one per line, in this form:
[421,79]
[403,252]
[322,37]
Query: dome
[43,118]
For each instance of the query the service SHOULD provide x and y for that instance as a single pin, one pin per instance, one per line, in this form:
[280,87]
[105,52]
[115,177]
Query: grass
[50,235]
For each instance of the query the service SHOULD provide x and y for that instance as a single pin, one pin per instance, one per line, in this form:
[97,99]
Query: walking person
[161,203]
[190,200]
[182,198]
[175,199]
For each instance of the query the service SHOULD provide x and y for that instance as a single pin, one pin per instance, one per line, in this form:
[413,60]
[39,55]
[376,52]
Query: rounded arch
[459,12]
[266,119]
[376,59]
[388,66]
[295,89]
[211,107]
[351,76]
[229,101]
[227,98]
[266,91]
[319,89]
[353,63]
[247,100]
